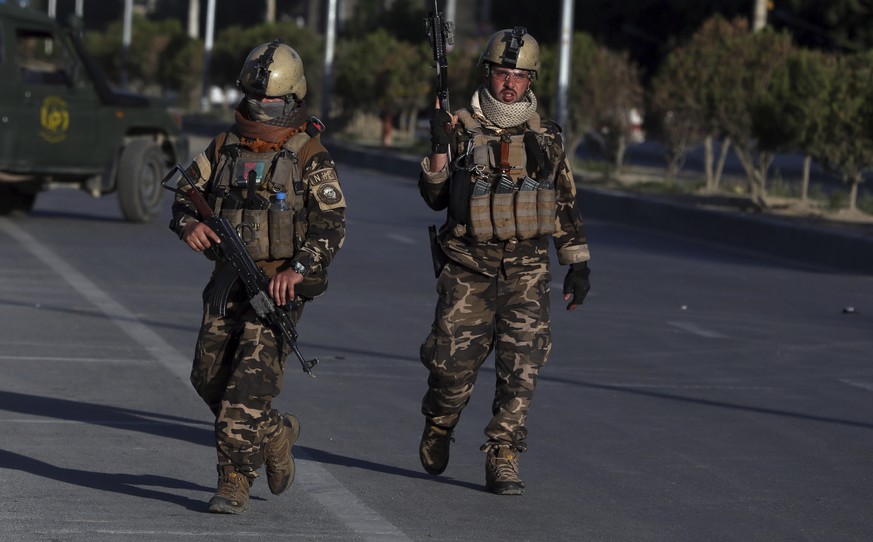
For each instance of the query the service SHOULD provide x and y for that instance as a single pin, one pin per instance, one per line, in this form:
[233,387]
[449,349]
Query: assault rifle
[440,33]
[241,267]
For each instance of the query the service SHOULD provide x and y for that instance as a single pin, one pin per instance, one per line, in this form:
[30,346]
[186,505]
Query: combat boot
[501,470]
[278,459]
[434,448]
[232,496]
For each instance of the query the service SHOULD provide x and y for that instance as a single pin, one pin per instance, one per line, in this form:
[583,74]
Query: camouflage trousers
[476,314]
[238,369]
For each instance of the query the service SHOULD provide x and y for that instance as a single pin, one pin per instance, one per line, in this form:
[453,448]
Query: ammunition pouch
[490,201]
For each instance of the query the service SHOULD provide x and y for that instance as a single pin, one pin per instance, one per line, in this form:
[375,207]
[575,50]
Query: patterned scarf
[268,136]
[501,115]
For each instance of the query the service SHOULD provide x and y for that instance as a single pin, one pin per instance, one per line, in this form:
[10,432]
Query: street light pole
[329,46]
[207,53]
[759,19]
[125,40]
[564,61]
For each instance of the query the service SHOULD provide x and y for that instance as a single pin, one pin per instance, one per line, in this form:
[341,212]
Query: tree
[742,81]
[614,90]
[581,117]
[845,141]
[233,44]
[382,75]
[154,45]
[794,113]
[684,94]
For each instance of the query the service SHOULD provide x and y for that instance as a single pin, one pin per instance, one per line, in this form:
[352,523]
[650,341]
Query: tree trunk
[854,181]
[752,176]
[707,163]
[387,128]
[725,147]
[804,183]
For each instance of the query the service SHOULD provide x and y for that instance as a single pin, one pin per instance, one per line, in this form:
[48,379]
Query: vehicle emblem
[54,117]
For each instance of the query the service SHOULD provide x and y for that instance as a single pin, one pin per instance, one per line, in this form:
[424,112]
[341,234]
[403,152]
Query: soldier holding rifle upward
[500,171]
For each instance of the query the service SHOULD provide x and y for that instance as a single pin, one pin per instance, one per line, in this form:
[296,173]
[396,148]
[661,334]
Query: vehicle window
[43,61]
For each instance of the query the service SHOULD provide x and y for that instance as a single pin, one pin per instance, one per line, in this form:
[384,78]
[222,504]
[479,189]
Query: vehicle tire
[140,170]
[14,201]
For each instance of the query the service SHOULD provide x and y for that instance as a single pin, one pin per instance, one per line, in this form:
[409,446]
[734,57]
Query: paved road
[699,394]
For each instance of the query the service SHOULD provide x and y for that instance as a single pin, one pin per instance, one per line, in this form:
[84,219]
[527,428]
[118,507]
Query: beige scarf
[501,115]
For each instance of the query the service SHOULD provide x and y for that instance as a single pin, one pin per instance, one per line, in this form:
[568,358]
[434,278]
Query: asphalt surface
[700,393]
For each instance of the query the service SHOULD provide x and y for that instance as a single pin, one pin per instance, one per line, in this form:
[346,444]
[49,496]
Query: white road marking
[71,360]
[863,385]
[697,330]
[323,487]
[406,240]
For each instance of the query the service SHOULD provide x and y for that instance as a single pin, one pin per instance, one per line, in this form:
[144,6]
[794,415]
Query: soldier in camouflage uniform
[501,171]
[273,148]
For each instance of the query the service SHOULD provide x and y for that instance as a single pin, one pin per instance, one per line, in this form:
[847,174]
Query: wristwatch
[298,267]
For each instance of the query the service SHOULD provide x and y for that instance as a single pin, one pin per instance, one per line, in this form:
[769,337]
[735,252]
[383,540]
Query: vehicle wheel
[14,200]
[140,170]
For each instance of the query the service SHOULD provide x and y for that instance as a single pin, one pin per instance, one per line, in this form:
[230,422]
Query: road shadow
[114,482]
[99,315]
[325,457]
[707,402]
[151,423]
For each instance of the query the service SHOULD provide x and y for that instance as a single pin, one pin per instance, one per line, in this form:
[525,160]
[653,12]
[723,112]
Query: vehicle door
[58,120]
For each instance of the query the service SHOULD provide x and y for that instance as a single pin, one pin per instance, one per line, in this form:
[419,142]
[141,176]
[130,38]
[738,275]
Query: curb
[842,251]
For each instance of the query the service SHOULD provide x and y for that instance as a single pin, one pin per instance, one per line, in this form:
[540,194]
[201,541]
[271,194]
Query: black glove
[440,131]
[576,283]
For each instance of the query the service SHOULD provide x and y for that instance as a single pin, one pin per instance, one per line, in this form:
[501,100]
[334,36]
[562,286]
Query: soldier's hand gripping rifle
[440,34]
[240,266]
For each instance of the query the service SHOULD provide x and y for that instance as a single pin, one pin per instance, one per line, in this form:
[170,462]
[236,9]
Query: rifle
[241,267]
[439,33]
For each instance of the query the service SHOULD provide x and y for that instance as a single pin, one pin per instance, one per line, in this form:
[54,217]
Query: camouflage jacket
[487,257]
[325,210]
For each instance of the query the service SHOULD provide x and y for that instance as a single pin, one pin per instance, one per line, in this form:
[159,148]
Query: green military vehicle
[62,125]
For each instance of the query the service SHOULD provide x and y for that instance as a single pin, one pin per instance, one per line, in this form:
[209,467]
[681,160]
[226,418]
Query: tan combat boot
[501,470]
[434,448]
[232,496]
[278,459]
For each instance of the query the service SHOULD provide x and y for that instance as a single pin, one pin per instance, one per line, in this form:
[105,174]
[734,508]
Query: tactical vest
[501,187]
[244,184]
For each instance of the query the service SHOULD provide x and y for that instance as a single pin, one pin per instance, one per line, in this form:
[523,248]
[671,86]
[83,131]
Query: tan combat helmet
[512,48]
[275,70]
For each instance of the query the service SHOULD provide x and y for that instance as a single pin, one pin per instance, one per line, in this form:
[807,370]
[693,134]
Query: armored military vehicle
[61,124]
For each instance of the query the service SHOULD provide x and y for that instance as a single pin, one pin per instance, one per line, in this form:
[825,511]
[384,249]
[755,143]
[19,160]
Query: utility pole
[194,19]
[329,45]
[207,53]
[125,40]
[564,61]
[759,18]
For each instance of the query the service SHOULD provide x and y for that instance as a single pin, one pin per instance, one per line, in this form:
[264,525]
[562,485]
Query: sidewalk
[842,251]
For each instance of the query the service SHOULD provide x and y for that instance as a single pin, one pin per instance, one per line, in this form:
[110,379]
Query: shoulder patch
[322,176]
[329,194]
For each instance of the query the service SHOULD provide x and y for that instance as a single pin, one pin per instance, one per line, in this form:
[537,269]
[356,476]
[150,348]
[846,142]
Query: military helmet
[273,69]
[512,48]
